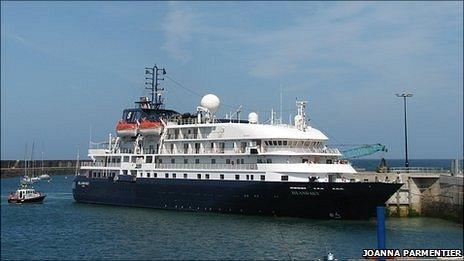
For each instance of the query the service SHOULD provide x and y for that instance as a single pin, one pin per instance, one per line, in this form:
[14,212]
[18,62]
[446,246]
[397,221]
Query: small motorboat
[24,194]
[44,177]
[26,180]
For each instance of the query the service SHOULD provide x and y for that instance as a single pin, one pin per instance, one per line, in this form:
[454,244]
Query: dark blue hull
[313,200]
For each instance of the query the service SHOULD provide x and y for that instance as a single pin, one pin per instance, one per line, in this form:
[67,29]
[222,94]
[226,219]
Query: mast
[77,161]
[152,82]
[42,162]
[32,162]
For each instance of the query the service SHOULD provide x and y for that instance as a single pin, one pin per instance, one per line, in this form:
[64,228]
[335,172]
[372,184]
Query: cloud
[179,26]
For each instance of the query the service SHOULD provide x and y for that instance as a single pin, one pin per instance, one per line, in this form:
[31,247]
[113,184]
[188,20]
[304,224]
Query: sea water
[59,228]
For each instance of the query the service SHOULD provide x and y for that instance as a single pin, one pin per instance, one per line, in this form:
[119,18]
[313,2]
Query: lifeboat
[147,127]
[126,129]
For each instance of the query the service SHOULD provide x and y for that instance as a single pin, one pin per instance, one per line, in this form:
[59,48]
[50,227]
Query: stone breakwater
[15,168]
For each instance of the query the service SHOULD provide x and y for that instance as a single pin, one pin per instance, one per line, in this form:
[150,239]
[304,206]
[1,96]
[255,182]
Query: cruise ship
[163,159]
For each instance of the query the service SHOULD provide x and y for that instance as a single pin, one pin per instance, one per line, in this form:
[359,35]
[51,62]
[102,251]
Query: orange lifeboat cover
[125,126]
[146,124]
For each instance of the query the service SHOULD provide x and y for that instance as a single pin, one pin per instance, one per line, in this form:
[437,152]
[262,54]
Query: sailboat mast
[32,163]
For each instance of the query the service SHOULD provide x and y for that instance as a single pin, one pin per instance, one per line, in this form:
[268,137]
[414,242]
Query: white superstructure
[203,147]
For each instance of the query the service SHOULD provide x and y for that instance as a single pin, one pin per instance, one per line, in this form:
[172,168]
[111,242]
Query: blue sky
[67,66]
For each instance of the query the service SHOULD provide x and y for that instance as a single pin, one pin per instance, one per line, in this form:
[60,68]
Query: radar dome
[210,102]
[253,117]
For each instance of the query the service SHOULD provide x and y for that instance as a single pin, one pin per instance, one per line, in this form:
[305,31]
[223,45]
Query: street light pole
[404,96]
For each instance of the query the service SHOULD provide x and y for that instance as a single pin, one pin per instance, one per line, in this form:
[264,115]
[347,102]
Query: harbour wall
[15,168]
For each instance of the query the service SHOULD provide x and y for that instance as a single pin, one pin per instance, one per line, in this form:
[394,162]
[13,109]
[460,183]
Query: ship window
[133,159]
[263,177]
[166,175]
[173,161]
[185,175]
[269,161]
[247,177]
[237,177]
[207,176]
[186,146]
[329,161]
[284,178]
[197,161]
[242,160]
[213,161]
[160,161]
[186,161]
[274,143]
[125,159]
[173,175]
[279,143]
[259,161]
[155,175]
[199,176]
[227,161]
[212,145]
[221,176]
[238,161]
[172,148]
[251,177]
[149,159]
[304,160]
[265,142]
[284,143]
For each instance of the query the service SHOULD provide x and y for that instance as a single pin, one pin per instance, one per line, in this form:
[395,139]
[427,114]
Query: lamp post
[404,96]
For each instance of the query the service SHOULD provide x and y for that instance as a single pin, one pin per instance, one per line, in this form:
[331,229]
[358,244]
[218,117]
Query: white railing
[100,164]
[207,166]
[301,150]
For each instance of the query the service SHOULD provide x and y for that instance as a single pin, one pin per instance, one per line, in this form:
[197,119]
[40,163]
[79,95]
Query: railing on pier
[417,170]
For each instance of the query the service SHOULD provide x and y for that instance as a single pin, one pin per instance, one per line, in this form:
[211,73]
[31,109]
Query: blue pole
[381,227]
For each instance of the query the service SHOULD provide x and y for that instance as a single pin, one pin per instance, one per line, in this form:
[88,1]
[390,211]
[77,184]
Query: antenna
[281,114]
[153,76]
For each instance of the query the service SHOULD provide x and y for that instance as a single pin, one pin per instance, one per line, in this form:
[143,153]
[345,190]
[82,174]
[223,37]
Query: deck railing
[100,164]
[207,166]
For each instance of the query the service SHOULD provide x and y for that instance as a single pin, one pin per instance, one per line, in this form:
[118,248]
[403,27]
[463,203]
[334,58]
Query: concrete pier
[423,194]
